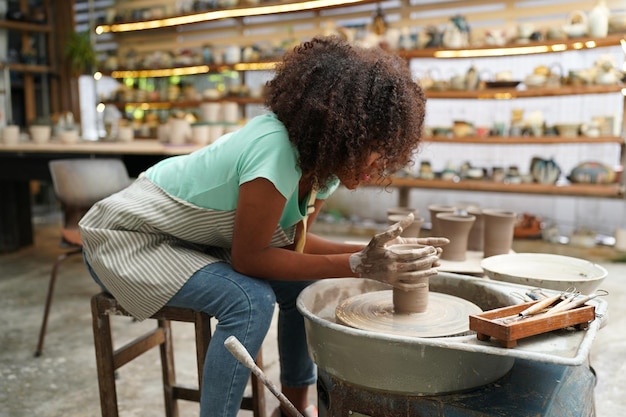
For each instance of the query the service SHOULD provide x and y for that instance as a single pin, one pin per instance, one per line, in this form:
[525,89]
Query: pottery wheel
[446,315]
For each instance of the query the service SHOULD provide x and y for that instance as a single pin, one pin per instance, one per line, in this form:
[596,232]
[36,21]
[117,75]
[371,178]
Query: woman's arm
[259,209]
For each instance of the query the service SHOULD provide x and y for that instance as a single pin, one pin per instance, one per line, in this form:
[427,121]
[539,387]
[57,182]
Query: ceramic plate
[543,270]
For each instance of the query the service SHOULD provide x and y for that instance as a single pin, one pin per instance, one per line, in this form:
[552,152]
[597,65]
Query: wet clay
[411,301]
[417,312]
[446,315]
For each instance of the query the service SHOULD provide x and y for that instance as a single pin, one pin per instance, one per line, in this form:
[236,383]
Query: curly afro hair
[340,103]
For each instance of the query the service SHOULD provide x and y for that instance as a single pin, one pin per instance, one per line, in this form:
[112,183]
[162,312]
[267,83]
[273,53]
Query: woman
[223,230]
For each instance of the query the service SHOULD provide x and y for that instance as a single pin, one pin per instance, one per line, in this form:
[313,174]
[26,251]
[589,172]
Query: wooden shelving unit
[512,93]
[524,140]
[48,83]
[25,26]
[579,190]
[539,47]
[209,15]
[181,104]
[142,39]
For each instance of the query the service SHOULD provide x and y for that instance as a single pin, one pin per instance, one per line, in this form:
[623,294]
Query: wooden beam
[67,93]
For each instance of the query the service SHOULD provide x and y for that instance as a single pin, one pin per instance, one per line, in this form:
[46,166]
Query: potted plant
[80,53]
[81,59]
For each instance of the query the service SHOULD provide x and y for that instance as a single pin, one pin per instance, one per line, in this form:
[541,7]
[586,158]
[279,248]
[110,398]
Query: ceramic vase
[620,239]
[434,209]
[598,20]
[200,134]
[180,131]
[456,227]
[499,226]
[40,134]
[125,134]
[11,134]
[211,112]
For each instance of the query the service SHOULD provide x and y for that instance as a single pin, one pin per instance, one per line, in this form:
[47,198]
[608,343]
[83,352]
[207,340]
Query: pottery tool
[535,308]
[235,347]
[540,305]
[573,302]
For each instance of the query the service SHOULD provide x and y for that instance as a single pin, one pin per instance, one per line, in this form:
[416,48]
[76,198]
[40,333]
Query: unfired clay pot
[401,210]
[414,301]
[475,241]
[413,230]
[455,227]
[499,225]
[434,209]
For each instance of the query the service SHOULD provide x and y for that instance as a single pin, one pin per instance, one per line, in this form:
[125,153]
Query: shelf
[488,93]
[189,70]
[524,140]
[25,26]
[512,93]
[27,68]
[516,49]
[235,12]
[163,105]
[576,190]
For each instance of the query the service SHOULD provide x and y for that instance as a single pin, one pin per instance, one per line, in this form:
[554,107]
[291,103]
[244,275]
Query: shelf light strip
[198,69]
[223,14]
[254,66]
[518,50]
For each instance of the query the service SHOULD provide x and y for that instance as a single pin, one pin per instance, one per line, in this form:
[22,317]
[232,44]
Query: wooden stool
[108,360]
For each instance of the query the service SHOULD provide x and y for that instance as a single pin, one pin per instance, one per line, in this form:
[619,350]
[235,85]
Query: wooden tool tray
[491,324]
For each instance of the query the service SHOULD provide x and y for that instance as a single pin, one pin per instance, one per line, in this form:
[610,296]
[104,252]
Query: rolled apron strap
[310,208]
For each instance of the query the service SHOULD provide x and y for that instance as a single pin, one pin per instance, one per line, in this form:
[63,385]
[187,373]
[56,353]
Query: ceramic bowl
[556,272]
[592,173]
[575,30]
[535,80]
[568,130]
[40,134]
[442,131]
[68,136]
[617,22]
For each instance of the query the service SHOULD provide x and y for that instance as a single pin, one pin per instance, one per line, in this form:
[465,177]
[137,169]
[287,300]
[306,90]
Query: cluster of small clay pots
[472,229]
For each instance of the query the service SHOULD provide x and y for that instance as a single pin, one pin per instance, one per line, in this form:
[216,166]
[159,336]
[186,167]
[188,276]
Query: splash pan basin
[428,366]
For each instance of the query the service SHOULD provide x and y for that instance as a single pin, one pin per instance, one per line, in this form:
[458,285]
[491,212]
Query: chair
[78,184]
[108,359]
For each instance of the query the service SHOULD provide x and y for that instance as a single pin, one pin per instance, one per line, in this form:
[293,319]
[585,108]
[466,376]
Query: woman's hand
[435,242]
[402,269]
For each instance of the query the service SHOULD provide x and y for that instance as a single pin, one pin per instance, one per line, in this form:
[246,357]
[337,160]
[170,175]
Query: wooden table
[27,161]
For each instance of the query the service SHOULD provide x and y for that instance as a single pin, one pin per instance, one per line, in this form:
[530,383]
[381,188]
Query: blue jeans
[244,307]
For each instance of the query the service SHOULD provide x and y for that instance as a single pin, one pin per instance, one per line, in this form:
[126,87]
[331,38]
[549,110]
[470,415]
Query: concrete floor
[63,381]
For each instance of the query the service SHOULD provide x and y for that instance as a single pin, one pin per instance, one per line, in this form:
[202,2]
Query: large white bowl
[544,270]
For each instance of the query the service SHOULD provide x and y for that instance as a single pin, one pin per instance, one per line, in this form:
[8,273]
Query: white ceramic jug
[598,20]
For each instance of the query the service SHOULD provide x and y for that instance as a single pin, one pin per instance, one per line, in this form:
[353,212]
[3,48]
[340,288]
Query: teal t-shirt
[210,177]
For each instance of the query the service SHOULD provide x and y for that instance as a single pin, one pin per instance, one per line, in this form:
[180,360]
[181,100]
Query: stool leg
[46,310]
[103,343]
[169,372]
[202,324]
